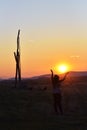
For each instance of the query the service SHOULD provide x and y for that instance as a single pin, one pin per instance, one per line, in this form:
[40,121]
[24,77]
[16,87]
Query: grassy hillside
[30,106]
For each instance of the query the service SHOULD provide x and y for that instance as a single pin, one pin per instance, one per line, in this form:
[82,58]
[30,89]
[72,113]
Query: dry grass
[32,109]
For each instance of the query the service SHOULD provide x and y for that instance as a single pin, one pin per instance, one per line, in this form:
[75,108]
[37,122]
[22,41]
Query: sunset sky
[52,32]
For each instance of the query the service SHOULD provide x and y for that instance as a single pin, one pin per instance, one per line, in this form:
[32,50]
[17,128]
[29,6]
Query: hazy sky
[52,32]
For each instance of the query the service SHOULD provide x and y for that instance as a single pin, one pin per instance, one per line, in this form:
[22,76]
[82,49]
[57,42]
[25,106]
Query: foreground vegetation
[30,106]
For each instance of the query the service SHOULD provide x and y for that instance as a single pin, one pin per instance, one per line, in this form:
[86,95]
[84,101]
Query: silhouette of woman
[56,83]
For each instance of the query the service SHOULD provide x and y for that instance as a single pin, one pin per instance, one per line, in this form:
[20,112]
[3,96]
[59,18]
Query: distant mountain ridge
[71,74]
[78,73]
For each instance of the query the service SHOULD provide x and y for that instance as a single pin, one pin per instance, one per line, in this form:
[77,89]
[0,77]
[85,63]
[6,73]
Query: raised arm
[64,77]
[51,75]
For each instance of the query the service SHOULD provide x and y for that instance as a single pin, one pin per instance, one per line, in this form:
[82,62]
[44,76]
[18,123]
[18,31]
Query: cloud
[31,41]
[75,56]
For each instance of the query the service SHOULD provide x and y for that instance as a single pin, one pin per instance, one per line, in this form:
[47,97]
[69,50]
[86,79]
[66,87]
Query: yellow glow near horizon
[62,68]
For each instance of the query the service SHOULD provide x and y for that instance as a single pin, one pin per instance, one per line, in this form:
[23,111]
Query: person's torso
[56,88]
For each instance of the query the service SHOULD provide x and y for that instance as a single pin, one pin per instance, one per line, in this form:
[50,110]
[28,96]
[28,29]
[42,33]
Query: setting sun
[62,68]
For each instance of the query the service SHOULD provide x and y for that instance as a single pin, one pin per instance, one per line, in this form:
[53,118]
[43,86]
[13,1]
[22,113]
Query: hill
[24,108]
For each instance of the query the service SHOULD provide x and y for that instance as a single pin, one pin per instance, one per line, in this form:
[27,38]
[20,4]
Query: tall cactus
[17,59]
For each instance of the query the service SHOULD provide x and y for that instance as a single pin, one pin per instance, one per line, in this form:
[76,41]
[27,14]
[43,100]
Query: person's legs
[55,103]
[60,103]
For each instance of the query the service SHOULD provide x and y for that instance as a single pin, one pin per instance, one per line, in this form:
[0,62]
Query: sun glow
[63,68]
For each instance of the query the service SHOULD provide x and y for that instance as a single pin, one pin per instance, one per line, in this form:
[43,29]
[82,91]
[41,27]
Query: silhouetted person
[56,83]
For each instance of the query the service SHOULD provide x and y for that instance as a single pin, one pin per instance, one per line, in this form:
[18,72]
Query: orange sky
[52,32]
[39,56]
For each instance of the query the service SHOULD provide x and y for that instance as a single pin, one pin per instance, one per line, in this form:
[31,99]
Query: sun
[63,68]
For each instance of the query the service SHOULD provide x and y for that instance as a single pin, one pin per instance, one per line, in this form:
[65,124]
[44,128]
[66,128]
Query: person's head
[56,78]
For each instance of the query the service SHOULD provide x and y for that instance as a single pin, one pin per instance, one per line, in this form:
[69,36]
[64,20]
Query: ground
[30,106]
